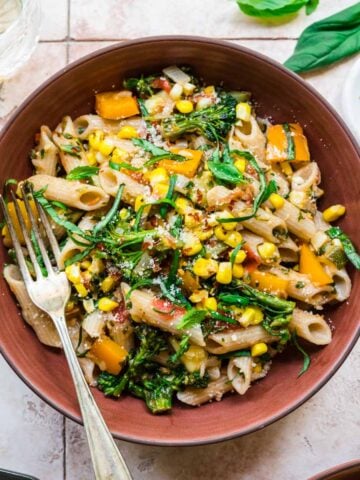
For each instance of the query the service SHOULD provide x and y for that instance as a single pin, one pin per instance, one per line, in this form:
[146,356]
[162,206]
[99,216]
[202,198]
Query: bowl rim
[353,466]
[312,91]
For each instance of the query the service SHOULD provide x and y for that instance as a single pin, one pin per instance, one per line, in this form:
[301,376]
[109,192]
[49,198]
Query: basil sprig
[349,249]
[275,8]
[223,169]
[327,41]
[82,173]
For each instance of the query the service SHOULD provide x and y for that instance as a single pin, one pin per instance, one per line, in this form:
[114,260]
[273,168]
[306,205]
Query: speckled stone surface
[37,440]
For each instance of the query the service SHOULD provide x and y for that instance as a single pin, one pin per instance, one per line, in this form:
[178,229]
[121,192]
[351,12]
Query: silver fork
[51,293]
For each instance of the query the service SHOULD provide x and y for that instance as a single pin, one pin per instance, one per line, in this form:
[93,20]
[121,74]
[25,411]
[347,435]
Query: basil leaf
[235,252]
[156,151]
[327,41]
[270,188]
[290,142]
[271,8]
[81,173]
[183,347]
[169,195]
[349,249]
[127,166]
[191,318]
[73,150]
[225,172]
[237,353]
[222,318]
[311,6]
[307,359]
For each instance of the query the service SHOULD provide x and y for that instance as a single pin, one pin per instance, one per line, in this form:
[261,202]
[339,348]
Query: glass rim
[19,18]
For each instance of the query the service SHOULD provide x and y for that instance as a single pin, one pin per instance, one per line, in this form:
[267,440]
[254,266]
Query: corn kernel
[183,205]
[204,234]
[230,225]
[188,88]
[198,296]
[124,214]
[105,304]
[205,267]
[192,248]
[276,200]
[119,155]
[73,273]
[97,266]
[334,212]
[91,157]
[176,92]
[224,274]
[95,138]
[184,106]
[298,198]
[243,111]
[191,218]
[82,291]
[193,358]
[139,202]
[85,264]
[240,165]
[267,250]
[210,304]
[158,175]
[107,284]
[251,316]
[220,233]
[233,239]
[239,257]
[258,349]
[286,168]
[105,147]
[160,190]
[238,270]
[128,132]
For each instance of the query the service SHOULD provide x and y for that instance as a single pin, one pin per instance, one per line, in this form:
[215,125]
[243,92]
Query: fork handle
[107,460]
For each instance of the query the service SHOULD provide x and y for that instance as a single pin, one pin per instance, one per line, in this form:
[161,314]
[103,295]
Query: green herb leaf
[307,359]
[235,252]
[183,347]
[110,214]
[311,6]
[272,8]
[327,41]
[81,173]
[348,246]
[234,299]
[169,195]
[225,172]
[127,166]
[222,318]
[73,150]
[159,153]
[290,142]
[237,353]
[191,318]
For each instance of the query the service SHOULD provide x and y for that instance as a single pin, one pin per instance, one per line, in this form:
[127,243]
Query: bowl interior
[280,95]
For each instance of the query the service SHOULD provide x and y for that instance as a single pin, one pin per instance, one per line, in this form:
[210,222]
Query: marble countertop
[36,439]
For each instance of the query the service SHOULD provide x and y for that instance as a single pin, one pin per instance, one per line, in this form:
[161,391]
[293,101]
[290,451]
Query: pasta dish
[190,235]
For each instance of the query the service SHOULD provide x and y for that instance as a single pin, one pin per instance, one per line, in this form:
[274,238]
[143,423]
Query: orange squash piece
[310,264]
[269,283]
[187,167]
[114,105]
[108,354]
[277,149]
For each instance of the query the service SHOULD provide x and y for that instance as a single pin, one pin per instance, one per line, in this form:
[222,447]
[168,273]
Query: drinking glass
[19,32]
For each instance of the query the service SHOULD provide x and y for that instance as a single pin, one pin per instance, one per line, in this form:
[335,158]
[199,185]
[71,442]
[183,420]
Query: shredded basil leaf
[307,359]
[348,246]
[110,214]
[191,318]
[290,142]
[82,173]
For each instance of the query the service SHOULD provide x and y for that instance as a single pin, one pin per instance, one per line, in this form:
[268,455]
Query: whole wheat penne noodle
[306,178]
[289,251]
[238,339]
[142,311]
[72,193]
[87,124]
[312,327]
[214,391]
[47,154]
[302,288]
[239,373]
[265,224]
[88,368]
[249,137]
[296,221]
[252,239]
[71,151]
[342,283]
[72,248]
[36,318]
[110,181]
[282,184]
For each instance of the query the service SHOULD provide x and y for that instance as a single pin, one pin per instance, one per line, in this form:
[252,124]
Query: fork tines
[35,214]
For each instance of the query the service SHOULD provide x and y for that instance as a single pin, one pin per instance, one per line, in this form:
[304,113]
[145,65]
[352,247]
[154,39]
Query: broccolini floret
[213,122]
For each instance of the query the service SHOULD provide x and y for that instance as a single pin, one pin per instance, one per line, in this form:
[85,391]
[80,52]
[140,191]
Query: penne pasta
[72,193]
[46,154]
[312,327]
[71,151]
[239,373]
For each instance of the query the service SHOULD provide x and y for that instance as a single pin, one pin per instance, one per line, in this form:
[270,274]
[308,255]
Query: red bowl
[345,471]
[281,95]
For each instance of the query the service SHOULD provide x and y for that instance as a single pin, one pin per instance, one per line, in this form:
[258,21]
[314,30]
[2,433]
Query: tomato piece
[252,259]
[162,84]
